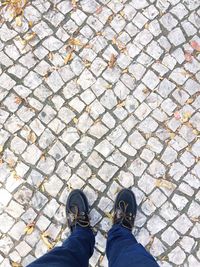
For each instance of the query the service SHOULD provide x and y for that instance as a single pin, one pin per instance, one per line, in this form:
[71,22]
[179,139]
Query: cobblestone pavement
[100,95]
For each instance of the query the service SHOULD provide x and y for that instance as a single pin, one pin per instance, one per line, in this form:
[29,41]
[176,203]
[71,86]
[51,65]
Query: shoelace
[79,218]
[124,216]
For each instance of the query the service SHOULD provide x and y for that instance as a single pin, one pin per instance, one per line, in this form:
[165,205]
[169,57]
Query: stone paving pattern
[100,95]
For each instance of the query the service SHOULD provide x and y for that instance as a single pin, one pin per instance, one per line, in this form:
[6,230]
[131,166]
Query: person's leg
[75,251]
[78,248]
[122,248]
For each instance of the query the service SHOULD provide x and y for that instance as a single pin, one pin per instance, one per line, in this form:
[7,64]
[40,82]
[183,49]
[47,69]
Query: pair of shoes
[77,209]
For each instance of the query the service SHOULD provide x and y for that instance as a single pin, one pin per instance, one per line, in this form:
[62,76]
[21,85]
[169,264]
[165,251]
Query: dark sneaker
[77,209]
[125,209]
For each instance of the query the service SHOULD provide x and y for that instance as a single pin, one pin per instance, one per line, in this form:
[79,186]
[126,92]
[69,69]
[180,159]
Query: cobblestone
[100,97]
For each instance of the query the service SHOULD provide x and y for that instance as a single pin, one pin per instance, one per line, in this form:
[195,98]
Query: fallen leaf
[50,56]
[164,258]
[18,100]
[125,70]
[188,56]
[109,215]
[31,137]
[112,61]
[150,242]
[101,258]
[186,116]
[14,174]
[196,132]
[29,228]
[172,135]
[42,188]
[114,40]
[109,86]
[121,104]
[15,6]
[146,26]
[122,13]
[1,148]
[190,101]
[75,120]
[11,163]
[195,219]
[18,21]
[47,240]
[99,10]
[74,3]
[30,36]
[110,18]
[164,184]
[30,24]
[145,90]
[195,45]
[74,41]
[68,57]
[15,264]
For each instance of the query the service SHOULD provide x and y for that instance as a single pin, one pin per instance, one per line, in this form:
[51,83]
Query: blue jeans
[122,250]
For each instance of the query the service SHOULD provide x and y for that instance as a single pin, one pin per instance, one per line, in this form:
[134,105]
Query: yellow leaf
[42,188]
[15,175]
[45,238]
[1,148]
[165,184]
[30,24]
[74,41]
[186,117]
[122,13]
[196,132]
[74,3]
[23,42]
[109,215]
[68,58]
[146,26]
[87,64]
[15,264]
[30,36]
[18,21]
[125,70]
[75,120]
[29,228]
[172,135]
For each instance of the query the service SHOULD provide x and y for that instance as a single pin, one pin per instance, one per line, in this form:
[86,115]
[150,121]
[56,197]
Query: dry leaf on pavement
[29,228]
[74,42]
[15,264]
[112,61]
[165,184]
[47,240]
[68,57]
